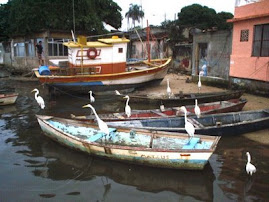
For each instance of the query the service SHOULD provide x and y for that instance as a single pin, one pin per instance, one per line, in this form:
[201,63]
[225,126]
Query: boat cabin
[105,56]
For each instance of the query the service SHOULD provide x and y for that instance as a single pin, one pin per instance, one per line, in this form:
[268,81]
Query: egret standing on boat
[199,82]
[101,124]
[168,90]
[250,168]
[188,126]
[92,99]
[39,99]
[127,107]
[197,109]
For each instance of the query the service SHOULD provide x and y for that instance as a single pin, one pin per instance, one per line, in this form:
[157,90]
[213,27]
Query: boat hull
[184,99]
[206,108]
[8,99]
[189,159]
[106,82]
[234,123]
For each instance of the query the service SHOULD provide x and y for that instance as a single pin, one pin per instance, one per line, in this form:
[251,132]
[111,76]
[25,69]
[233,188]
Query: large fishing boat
[100,66]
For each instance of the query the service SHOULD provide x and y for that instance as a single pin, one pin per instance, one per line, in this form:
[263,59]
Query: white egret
[162,107]
[92,99]
[188,126]
[127,107]
[250,168]
[168,90]
[101,124]
[199,82]
[39,99]
[117,92]
[197,109]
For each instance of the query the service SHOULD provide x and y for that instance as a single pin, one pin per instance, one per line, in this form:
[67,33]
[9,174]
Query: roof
[105,42]
[114,39]
[93,44]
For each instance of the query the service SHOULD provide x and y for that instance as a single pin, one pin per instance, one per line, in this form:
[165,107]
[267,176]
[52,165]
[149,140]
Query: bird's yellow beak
[32,91]
[85,106]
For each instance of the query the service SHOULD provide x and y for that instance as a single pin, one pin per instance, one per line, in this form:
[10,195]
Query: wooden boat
[183,99]
[100,66]
[233,123]
[7,98]
[206,108]
[156,149]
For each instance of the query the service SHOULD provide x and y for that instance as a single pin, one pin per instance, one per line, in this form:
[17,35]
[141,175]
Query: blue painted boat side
[95,83]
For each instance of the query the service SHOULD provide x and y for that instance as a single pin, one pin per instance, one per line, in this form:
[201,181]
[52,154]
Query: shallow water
[34,168]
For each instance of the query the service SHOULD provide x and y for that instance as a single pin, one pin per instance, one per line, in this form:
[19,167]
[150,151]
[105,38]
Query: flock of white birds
[250,168]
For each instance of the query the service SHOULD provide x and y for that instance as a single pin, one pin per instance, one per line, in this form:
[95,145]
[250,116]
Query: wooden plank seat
[158,113]
[112,132]
[192,143]
[195,123]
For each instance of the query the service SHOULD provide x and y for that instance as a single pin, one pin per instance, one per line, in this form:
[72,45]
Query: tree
[22,17]
[197,16]
[135,13]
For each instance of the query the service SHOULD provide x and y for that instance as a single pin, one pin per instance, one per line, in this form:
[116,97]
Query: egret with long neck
[101,124]
[168,90]
[127,106]
[188,126]
[39,99]
[250,168]
[197,109]
[199,83]
[92,99]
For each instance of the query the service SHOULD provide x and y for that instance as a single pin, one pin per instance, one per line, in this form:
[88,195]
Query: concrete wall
[219,45]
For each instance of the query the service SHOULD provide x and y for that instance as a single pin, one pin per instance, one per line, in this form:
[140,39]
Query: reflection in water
[82,167]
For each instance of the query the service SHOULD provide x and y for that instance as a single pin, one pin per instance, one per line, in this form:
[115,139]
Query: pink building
[249,61]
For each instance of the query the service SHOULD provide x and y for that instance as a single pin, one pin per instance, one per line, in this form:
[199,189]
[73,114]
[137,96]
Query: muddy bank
[178,83]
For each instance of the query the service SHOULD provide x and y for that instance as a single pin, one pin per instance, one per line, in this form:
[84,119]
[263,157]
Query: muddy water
[34,168]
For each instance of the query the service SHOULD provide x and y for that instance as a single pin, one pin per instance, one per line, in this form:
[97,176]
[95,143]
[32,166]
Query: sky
[156,11]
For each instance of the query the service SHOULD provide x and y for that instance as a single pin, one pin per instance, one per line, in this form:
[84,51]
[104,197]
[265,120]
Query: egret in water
[188,126]
[199,82]
[117,92]
[92,99]
[168,90]
[127,107]
[101,124]
[39,99]
[197,109]
[250,168]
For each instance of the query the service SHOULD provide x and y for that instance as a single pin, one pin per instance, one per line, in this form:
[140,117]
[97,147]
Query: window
[261,41]
[120,50]
[56,47]
[30,48]
[244,35]
[19,49]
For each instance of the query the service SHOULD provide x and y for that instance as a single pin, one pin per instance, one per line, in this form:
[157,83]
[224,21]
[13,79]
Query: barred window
[56,47]
[260,46]
[244,35]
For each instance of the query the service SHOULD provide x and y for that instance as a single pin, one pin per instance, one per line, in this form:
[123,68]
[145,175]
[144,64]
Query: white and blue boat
[150,148]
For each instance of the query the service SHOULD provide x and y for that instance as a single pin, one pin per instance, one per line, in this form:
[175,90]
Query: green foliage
[203,18]
[21,17]
[135,13]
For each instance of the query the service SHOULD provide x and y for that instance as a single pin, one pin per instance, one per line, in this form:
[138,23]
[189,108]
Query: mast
[148,41]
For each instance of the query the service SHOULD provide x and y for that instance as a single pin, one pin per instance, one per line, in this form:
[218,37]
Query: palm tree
[135,13]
